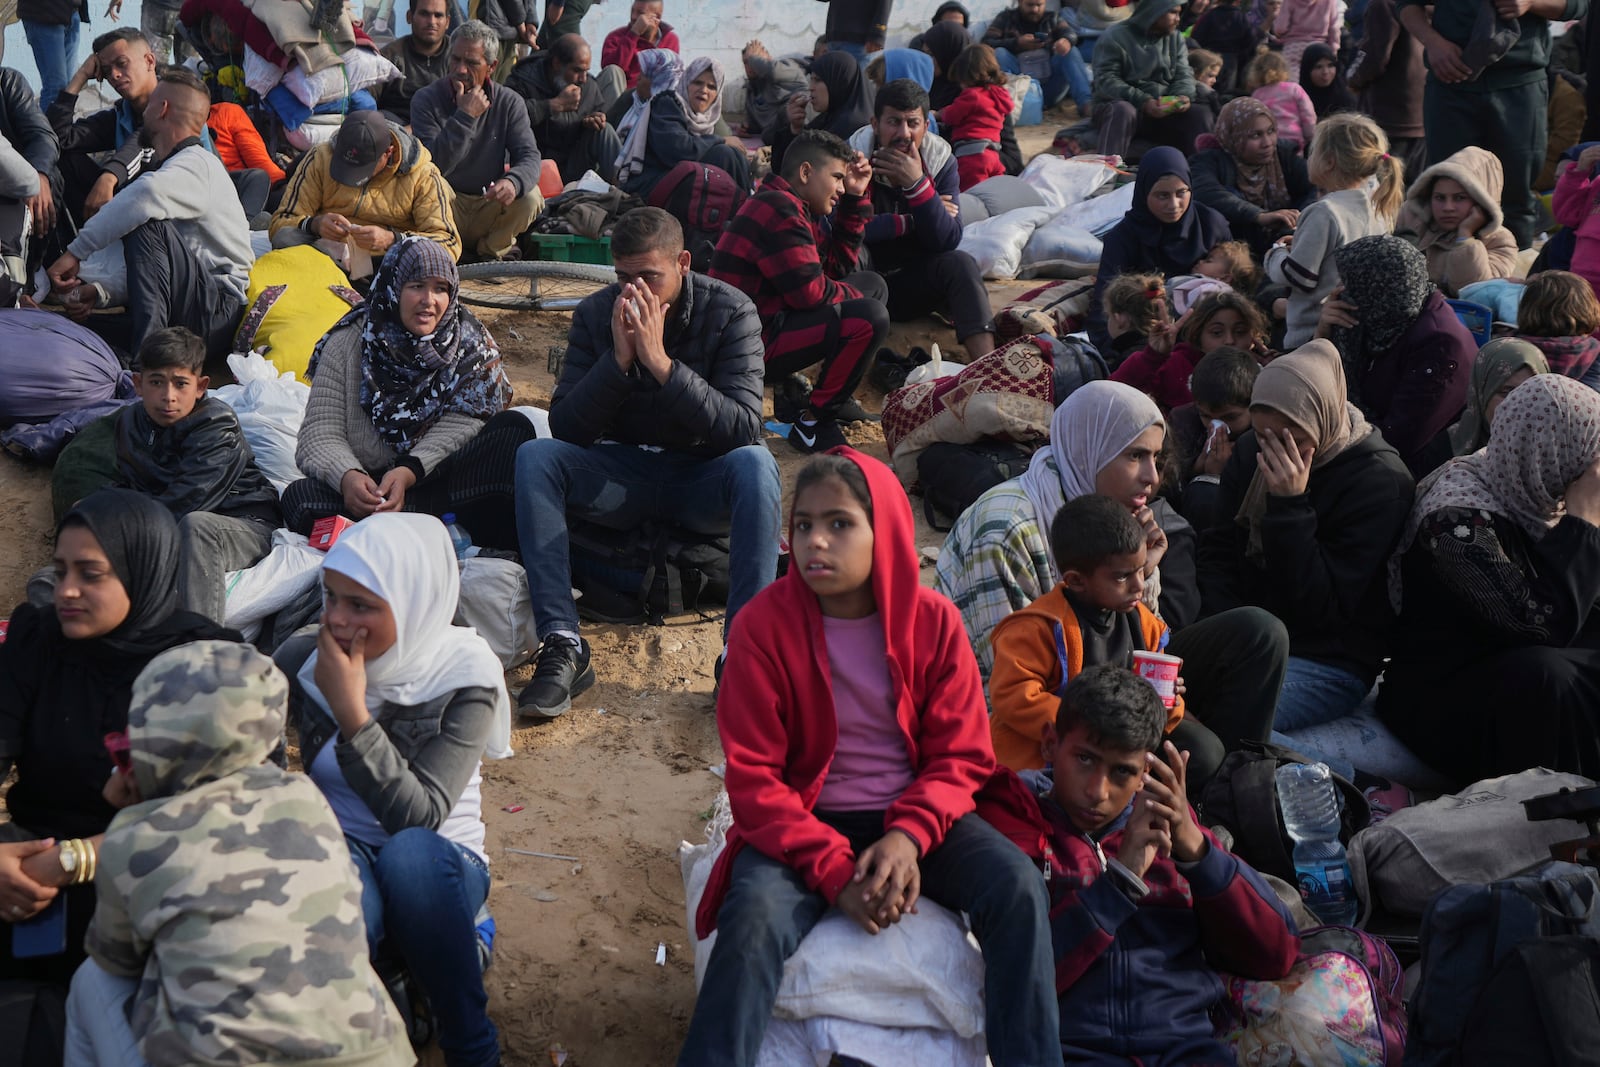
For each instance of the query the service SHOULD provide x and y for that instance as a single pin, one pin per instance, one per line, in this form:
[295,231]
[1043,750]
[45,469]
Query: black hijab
[1337,96]
[848,107]
[59,697]
[944,42]
[1176,246]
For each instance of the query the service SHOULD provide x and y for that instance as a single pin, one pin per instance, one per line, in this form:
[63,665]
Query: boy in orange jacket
[1093,615]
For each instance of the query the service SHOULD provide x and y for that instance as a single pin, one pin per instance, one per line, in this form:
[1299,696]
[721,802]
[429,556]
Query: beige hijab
[1306,387]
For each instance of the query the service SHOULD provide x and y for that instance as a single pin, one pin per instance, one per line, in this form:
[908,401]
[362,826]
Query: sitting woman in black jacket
[672,120]
[1497,665]
[1309,509]
[1257,182]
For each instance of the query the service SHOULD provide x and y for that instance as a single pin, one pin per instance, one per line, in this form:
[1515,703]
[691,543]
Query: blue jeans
[768,911]
[55,53]
[1068,72]
[421,893]
[854,48]
[1313,694]
[621,486]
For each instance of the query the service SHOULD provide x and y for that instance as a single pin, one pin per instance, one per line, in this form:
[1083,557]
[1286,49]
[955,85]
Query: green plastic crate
[569,248]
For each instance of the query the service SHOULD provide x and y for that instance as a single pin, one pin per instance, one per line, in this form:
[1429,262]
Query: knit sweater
[337,434]
[1308,268]
[192,190]
[473,152]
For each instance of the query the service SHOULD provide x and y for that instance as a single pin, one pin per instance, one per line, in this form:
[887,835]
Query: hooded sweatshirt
[408,195]
[1454,264]
[779,728]
[228,889]
[1131,65]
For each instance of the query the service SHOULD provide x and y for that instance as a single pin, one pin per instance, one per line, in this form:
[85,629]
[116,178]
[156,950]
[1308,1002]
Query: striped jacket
[785,260]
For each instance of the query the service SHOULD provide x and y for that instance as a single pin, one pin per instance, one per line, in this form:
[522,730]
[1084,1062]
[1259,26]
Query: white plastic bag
[1061,249]
[274,582]
[270,407]
[997,243]
[494,601]
[1099,214]
[1064,182]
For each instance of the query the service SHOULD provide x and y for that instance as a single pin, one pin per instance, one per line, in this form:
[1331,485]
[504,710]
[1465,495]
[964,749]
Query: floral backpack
[1339,1007]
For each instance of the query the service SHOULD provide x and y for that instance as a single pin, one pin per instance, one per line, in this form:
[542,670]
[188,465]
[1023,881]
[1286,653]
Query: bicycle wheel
[532,285]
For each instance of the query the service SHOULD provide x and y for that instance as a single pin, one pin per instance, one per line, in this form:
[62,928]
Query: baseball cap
[361,142]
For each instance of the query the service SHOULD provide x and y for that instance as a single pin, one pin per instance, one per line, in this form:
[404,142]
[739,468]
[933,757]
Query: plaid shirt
[783,259]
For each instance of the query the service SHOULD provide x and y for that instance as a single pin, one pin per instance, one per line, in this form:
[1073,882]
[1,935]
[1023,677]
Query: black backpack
[646,574]
[1243,796]
[953,476]
[704,198]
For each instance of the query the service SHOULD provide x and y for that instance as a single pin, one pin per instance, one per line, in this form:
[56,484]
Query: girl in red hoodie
[852,716]
[973,121]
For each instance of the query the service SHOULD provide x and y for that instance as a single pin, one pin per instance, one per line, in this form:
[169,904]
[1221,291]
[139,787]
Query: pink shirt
[1291,108]
[870,767]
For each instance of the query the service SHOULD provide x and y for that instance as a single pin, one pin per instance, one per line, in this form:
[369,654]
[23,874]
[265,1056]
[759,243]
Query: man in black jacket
[657,415]
[23,125]
[423,56]
[100,153]
[567,109]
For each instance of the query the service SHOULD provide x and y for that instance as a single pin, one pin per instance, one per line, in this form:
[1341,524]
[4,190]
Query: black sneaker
[816,436]
[852,411]
[561,673]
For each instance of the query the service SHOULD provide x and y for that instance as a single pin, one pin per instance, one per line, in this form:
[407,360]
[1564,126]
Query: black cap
[359,147]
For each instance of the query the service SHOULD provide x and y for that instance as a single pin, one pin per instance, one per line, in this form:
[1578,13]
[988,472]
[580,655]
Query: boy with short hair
[1203,432]
[1093,615]
[797,255]
[1146,908]
[188,451]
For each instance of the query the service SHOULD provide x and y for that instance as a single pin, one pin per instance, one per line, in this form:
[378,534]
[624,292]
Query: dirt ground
[617,783]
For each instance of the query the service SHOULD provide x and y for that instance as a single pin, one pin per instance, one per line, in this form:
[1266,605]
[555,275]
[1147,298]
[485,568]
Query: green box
[570,248]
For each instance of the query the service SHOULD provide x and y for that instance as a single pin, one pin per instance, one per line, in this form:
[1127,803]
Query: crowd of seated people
[1302,474]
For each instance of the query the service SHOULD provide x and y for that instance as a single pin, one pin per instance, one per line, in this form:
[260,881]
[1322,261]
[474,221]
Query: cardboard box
[326,532]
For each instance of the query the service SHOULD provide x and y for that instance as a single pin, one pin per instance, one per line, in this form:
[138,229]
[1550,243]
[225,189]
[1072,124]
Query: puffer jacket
[1131,65]
[711,401]
[200,463]
[23,124]
[408,196]
[1489,253]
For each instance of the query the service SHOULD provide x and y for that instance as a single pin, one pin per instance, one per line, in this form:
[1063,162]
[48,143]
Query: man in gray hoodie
[184,236]
[479,135]
[1143,84]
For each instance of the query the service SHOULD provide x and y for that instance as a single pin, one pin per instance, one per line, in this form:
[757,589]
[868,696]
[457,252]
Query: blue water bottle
[459,538]
[1310,805]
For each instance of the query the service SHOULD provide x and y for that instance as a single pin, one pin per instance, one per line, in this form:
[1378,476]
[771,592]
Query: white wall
[720,28]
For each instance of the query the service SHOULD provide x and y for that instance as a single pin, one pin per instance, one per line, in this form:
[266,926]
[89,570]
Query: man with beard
[1143,84]
[566,109]
[475,128]
[913,236]
[184,236]
[122,59]
[422,55]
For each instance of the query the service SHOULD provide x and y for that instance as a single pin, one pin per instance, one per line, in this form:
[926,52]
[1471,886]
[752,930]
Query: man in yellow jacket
[373,184]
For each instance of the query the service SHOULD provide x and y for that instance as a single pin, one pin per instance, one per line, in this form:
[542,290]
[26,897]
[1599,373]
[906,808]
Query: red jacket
[774,252]
[977,114]
[1166,380]
[776,717]
[622,47]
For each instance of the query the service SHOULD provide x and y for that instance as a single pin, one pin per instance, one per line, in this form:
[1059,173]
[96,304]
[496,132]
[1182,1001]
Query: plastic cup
[1161,671]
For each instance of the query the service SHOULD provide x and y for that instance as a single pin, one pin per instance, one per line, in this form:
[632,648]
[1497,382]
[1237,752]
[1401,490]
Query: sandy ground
[618,783]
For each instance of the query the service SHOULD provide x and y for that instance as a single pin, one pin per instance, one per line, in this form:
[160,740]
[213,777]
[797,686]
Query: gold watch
[68,858]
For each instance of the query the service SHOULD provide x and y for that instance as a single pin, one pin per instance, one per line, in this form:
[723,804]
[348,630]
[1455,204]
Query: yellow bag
[286,331]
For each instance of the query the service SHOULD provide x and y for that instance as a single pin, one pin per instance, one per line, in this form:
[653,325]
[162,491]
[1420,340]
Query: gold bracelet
[88,859]
[82,870]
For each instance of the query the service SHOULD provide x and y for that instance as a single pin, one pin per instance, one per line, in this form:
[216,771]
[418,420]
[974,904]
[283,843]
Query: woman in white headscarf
[395,709]
[1106,438]
[674,119]
[1496,666]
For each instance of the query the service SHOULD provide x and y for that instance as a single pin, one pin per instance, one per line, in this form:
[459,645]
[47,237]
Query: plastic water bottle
[1311,814]
[458,536]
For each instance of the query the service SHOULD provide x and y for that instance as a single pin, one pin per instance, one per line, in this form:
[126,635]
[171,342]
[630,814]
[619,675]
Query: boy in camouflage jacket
[225,889]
